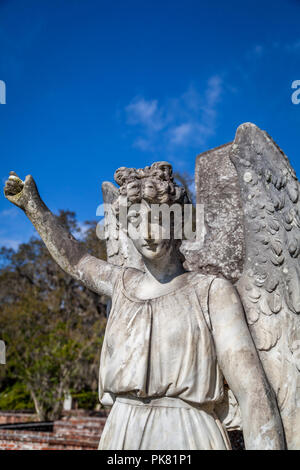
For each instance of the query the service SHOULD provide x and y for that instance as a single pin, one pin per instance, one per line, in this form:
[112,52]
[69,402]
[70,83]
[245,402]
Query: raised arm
[242,369]
[69,254]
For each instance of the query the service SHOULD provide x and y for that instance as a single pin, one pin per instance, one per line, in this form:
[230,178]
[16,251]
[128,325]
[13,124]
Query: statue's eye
[133,218]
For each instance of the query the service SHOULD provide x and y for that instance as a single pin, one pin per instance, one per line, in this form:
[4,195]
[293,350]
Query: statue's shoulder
[203,278]
[207,284]
[130,277]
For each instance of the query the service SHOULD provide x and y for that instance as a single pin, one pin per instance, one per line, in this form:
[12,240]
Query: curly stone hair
[154,184]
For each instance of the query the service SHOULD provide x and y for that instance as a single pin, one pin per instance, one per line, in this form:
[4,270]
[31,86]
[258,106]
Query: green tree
[52,325]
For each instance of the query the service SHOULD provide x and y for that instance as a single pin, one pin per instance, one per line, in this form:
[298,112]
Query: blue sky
[94,85]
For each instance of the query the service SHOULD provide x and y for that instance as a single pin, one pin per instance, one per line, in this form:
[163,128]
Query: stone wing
[270,283]
[119,247]
[252,216]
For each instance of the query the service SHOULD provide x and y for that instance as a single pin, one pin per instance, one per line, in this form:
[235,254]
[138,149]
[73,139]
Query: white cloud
[9,243]
[181,133]
[146,113]
[213,95]
[258,50]
[185,121]
[142,144]
[12,212]
[14,228]
[294,46]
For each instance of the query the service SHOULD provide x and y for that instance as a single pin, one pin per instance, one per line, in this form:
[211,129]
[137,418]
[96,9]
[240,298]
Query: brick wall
[70,433]
[25,440]
[11,417]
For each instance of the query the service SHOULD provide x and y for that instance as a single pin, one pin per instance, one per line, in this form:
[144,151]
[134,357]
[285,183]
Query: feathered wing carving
[257,247]
[119,247]
[270,283]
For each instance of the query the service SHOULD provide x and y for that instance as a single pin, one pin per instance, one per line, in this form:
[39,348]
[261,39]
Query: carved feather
[257,247]
[274,318]
[119,247]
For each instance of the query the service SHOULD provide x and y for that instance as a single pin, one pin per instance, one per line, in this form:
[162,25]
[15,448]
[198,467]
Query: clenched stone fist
[20,192]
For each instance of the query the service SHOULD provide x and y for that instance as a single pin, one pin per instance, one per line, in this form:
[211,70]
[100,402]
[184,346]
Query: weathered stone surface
[119,247]
[252,215]
[218,190]
[270,283]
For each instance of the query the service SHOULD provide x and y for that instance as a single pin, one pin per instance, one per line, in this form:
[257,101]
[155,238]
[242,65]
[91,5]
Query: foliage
[86,399]
[16,397]
[52,325]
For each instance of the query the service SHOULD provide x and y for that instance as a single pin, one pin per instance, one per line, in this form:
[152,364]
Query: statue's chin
[156,251]
[149,253]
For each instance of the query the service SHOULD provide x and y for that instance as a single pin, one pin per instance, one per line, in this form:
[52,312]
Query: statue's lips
[150,246]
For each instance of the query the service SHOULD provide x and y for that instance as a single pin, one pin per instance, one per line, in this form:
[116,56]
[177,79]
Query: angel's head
[147,194]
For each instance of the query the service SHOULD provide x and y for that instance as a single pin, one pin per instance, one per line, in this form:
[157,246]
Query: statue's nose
[148,233]
[146,229]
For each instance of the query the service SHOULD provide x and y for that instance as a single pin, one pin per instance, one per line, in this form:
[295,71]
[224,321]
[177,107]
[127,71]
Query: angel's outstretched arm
[242,369]
[71,256]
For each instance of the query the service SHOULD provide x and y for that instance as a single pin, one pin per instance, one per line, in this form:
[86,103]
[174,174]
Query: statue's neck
[165,268]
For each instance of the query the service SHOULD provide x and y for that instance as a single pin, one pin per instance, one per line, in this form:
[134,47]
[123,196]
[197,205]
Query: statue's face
[149,237]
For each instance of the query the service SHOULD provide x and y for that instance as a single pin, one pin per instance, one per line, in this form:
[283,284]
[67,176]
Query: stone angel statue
[186,316]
